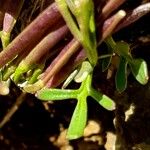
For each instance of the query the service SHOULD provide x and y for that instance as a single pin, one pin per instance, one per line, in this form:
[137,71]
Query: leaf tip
[107,103]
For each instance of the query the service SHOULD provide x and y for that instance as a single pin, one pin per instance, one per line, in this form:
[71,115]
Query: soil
[42,126]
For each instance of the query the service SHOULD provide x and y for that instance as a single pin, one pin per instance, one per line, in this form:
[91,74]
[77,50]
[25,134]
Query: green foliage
[121,75]
[138,67]
[79,118]
[139,70]
[83,28]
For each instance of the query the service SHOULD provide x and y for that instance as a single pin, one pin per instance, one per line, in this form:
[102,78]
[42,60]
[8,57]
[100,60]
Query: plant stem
[61,60]
[112,24]
[59,77]
[134,15]
[39,51]
[55,66]
[110,6]
[12,10]
[31,34]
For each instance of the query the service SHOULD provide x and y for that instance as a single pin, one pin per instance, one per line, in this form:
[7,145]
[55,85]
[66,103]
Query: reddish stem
[134,15]
[60,60]
[12,11]
[31,34]
[45,45]
[111,6]
[74,61]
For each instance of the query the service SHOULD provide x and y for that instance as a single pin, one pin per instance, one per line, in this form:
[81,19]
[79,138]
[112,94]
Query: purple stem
[111,6]
[39,52]
[31,34]
[13,9]
[60,60]
[45,45]
[110,24]
[74,61]
[134,15]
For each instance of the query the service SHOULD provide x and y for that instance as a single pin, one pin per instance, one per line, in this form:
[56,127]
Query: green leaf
[78,120]
[79,17]
[85,70]
[121,75]
[35,75]
[139,70]
[56,94]
[102,99]
[72,6]
[65,12]
[107,102]
[5,38]
[86,23]
[20,70]
[123,49]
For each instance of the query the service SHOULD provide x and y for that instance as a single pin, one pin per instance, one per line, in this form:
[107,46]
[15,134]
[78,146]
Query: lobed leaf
[56,94]
[78,120]
[123,49]
[121,75]
[139,70]
[84,71]
[102,99]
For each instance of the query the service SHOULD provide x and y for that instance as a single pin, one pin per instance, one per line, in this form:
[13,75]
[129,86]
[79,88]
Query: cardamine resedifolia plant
[61,45]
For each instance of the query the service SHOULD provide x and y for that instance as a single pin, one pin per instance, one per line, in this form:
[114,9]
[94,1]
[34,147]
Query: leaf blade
[139,70]
[102,99]
[78,120]
[121,75]
[56,94]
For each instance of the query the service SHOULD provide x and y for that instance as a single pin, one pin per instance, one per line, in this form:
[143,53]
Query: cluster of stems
[33,46]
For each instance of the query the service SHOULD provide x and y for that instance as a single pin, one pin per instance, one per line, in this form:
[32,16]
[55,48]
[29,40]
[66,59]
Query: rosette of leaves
[138,67]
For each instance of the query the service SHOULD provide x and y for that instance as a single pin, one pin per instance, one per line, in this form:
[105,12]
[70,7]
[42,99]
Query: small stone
[92,128]
[4,89]
[66,147]
[111,140]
